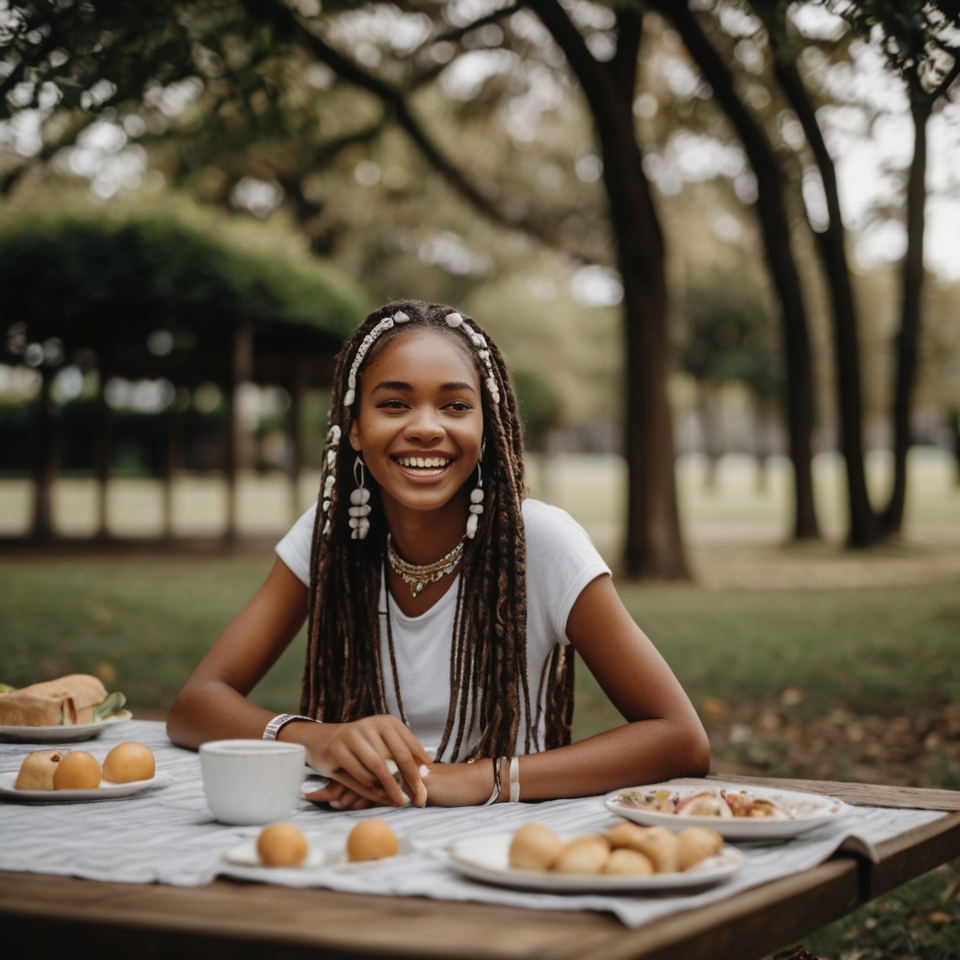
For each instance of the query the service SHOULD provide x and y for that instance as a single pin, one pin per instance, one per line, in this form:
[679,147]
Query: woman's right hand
[355,754]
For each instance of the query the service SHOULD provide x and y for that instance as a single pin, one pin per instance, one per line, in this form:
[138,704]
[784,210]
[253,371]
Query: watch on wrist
[273,728]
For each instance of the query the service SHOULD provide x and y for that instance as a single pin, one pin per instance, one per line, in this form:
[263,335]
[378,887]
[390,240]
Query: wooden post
[241,370]
[45,460]
[104,437]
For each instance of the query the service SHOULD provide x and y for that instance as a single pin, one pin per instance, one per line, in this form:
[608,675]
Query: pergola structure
[169,294]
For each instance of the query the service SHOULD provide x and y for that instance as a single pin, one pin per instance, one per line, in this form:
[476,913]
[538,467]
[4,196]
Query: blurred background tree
[580,147]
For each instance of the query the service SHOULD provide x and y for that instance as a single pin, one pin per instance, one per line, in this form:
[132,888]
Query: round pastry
[628,863]
[371,840]
[585,855]
[695,844]
[129,761]
[625,835]
[534,847]
[281,845]
[37,770]
[77,771]
[657,844]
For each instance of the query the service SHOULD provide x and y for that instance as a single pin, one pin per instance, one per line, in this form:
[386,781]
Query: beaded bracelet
[273,728]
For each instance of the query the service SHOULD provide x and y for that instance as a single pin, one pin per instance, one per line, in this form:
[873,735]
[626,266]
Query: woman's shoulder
[551,531]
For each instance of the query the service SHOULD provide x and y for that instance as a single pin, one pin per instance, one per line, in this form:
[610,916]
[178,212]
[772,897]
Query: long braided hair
[489,691]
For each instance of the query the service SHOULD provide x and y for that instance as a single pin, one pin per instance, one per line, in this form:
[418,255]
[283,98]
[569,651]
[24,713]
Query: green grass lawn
[882,651]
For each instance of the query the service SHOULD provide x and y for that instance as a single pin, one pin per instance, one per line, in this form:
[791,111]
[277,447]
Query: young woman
[444,607]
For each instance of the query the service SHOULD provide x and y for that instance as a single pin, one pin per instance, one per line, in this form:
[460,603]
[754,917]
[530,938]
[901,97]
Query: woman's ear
[355,435]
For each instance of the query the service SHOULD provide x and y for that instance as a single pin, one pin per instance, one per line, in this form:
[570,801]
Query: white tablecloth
[168,835]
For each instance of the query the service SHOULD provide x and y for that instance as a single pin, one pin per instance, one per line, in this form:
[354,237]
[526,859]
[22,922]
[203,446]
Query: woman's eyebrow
[392,385]
[457,385]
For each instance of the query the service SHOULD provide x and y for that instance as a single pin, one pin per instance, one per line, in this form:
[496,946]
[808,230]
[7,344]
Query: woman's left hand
[340,797]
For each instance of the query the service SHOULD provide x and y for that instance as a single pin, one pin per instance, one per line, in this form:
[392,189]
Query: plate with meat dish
[736,812]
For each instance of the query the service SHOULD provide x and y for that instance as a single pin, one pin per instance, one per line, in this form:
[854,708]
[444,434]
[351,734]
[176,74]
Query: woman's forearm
[212,710]
[646,751]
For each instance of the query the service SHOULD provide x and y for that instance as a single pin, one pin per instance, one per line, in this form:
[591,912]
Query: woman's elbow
[698,753]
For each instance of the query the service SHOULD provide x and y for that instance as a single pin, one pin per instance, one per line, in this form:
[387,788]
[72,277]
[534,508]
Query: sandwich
[75,699]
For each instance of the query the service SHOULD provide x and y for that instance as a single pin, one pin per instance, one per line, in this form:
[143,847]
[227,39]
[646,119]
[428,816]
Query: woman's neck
[421,537]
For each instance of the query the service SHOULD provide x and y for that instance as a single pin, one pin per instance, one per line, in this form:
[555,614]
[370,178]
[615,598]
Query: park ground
[803,660]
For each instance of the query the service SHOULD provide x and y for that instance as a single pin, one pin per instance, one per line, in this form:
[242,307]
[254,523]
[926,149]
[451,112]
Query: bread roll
[77,771]
[534,847]
[67,701]
[128,762]
[624,835]
[628,863]
[37,770]
[695,844]
[371,840]
[282,845]
[585,855]
[657,844]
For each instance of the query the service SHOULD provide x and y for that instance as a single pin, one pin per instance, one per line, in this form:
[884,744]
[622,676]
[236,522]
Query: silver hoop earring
[476,503]
[360,504]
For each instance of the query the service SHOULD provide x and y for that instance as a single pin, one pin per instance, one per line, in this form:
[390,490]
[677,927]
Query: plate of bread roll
[71,776]
[627,858]
[73,708]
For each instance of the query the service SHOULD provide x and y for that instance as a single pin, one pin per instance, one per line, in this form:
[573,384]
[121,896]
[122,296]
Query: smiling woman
[444,606]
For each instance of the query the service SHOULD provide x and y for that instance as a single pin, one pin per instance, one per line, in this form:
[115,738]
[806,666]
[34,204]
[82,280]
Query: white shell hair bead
[326,528]
[326,506]
[476,495]
[334,433]
[476,508]
[349,397]
[359,496]
[354,522]
[361,511]
[400,317]
[331,456]
[364,528]
[330,481]
[454,319]
[472,525]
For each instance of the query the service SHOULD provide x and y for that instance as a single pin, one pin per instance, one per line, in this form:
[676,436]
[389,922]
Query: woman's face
[420,420]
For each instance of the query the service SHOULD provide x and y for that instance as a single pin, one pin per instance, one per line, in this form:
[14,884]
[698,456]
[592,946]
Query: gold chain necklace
[419,576]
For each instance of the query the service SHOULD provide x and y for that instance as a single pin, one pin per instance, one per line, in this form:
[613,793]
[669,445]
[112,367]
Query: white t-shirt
[561,561]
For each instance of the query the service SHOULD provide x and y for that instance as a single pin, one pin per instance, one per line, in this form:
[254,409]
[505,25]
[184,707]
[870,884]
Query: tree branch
[397,102]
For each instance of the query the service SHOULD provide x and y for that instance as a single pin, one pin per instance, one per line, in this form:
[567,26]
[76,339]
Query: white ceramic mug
[252,781]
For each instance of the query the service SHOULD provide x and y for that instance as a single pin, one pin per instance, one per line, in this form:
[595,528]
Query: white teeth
[423,462]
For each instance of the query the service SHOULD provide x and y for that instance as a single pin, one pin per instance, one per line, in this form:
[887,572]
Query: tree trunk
[46,459]
[241,370]
[891,520]
[654,546]
[104,457]
[831,245]
[775,224]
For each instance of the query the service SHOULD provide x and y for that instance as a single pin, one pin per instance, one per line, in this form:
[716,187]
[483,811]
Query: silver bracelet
[514,780]
[273,728]
[495,795]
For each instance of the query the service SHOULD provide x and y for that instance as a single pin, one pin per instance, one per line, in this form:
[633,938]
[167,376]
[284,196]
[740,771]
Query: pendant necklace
[417,577]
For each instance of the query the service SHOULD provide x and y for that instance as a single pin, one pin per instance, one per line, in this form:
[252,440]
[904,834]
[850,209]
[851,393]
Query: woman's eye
[459,406]
[392,405]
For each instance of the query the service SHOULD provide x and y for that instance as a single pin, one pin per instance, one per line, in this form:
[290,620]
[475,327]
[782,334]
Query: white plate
[106,791]
[326,853]
[245,855]
[61,734]
[488,859]
[807,811]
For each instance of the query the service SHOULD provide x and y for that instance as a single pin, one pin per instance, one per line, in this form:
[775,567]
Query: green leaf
[112,705]
[6,688]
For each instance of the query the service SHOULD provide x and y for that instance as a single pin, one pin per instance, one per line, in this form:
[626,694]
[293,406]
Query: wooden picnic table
[59,916]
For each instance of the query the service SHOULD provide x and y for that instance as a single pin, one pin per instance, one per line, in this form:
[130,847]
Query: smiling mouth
[424,466]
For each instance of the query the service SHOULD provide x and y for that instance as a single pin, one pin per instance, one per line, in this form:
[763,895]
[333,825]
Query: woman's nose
[424,425]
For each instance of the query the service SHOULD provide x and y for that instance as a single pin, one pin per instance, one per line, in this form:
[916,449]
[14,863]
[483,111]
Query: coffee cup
[252,781]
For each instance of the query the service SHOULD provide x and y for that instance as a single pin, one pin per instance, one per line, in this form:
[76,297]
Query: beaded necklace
[416,576]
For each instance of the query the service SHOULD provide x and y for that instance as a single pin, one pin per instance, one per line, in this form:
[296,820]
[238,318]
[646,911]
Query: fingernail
[335,804]
[404,800]
[424,771]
